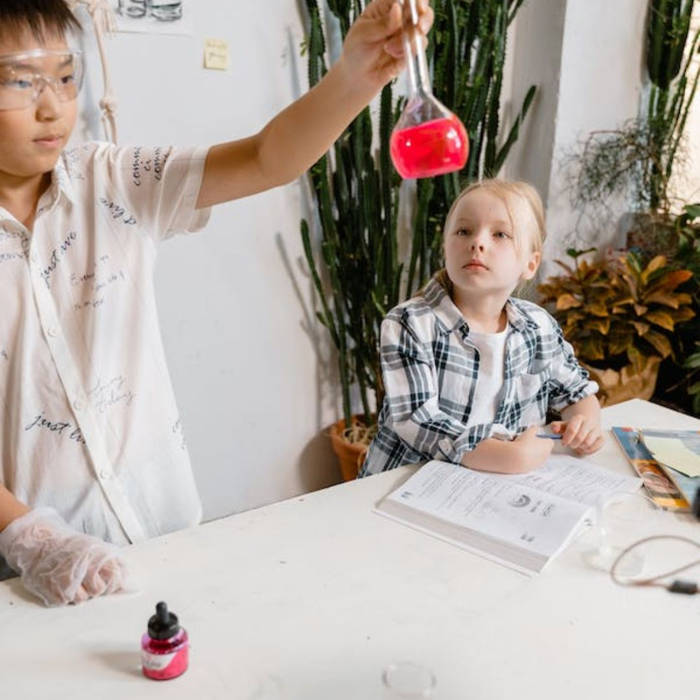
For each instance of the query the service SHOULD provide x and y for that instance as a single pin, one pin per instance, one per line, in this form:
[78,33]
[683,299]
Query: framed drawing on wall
[153,16]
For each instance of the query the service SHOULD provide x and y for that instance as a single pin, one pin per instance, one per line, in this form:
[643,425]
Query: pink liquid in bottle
[165,647]
[432,148]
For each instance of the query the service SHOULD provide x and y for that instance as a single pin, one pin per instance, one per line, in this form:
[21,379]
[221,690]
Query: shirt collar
[450,317]
[442,305]
[518,317]
[5,215]
[61,183]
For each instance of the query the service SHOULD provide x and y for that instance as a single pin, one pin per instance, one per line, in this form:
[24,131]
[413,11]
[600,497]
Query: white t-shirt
[88,414]
[489,383]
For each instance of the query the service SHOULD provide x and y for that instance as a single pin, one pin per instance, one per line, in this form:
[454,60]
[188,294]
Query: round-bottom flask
[428,139]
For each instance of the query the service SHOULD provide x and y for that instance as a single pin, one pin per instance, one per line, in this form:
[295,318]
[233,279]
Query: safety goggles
[25,75]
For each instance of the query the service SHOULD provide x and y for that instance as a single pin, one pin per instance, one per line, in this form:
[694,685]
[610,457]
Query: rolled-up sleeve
[155,187]
[568,382]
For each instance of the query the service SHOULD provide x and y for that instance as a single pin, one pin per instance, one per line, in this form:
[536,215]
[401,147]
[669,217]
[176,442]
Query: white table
[311,598]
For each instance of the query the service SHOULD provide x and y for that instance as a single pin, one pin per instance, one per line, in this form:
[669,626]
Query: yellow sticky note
[216,54]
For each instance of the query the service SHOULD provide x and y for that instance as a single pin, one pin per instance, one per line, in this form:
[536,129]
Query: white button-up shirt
[88,418]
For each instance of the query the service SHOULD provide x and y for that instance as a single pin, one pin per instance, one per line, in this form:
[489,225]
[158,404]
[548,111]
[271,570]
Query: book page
[522,520]
[501,509]
[577,480]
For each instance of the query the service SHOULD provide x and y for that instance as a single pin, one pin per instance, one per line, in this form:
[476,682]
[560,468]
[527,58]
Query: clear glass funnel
[428,139]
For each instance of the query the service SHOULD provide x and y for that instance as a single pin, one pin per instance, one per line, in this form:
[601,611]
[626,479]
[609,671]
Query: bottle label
[156,662]
[166,665]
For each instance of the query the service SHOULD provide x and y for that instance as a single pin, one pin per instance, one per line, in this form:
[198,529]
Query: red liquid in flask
[433,148]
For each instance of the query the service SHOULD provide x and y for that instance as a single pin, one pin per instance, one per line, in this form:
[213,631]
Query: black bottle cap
[163,624]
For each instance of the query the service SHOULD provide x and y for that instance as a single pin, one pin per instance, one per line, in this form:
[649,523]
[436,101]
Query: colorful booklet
[678,453]
[520,520]
[664,491]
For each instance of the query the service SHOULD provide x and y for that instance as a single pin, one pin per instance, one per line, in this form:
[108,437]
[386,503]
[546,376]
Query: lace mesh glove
[58,564]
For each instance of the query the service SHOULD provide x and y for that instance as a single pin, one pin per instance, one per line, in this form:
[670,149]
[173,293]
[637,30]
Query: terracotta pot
[351,455]
[628,383]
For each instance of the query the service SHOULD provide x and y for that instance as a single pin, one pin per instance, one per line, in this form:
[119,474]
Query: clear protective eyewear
[25,75]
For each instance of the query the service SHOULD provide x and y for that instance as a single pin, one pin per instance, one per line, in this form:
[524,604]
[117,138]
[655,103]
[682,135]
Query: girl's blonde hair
[508,192]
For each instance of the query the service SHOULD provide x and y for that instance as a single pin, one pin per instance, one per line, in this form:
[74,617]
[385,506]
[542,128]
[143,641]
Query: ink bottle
[165,647]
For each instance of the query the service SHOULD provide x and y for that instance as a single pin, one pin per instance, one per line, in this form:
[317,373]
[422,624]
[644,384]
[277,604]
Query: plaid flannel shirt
[430,371]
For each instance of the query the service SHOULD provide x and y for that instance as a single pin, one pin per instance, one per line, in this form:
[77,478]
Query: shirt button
[52,332]
[34,257]
[78,405]
[104,474]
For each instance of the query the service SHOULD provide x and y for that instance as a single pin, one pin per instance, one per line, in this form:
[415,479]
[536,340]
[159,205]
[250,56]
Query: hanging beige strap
[104,22]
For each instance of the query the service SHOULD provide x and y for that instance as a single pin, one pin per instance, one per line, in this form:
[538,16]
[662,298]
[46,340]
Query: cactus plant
[671,92]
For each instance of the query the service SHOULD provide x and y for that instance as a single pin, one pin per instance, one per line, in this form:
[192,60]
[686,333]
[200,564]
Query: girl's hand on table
[581,433]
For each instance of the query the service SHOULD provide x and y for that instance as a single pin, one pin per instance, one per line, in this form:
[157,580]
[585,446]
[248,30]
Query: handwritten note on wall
[216,54]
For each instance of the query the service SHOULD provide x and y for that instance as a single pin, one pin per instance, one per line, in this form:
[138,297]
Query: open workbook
[521,520]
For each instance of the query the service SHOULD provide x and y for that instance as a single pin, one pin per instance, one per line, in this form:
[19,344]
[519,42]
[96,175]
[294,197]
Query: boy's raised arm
[297,137]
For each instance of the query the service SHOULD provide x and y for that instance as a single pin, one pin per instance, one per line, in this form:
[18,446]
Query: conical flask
[428,139]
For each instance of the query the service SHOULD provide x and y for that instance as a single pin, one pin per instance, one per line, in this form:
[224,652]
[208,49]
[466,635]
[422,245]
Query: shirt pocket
[530,394]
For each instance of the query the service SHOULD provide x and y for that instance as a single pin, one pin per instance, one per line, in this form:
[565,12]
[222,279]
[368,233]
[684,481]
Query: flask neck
[418,76]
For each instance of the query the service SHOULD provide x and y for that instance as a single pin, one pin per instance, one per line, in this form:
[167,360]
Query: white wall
[532,61]
[600,87]
[586,56]
[250,388]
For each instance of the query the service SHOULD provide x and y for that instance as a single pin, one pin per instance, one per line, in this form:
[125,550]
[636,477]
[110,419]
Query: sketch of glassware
[132,8]
[165,10]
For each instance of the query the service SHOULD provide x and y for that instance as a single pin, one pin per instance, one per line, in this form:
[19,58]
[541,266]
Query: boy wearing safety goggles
[90,445]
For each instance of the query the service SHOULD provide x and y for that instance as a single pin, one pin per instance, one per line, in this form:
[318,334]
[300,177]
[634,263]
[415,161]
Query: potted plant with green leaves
[620,317]
[360,273]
